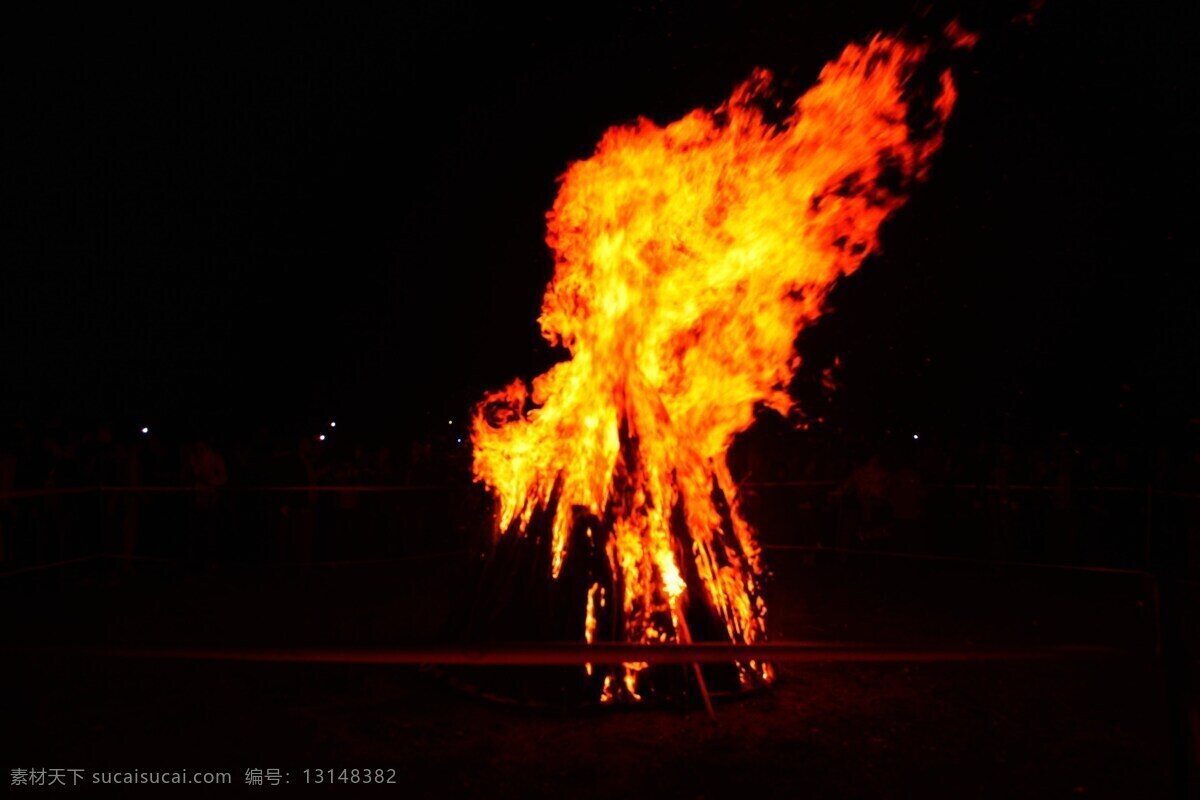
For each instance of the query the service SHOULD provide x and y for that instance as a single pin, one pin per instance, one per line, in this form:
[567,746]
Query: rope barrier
[53,492]
[400,488]
[51,565]
[577,654]
[160,560]
[71,490]
[961,559]
[435,487]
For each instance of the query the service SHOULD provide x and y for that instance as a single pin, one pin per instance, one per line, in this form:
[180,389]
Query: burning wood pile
[688,258]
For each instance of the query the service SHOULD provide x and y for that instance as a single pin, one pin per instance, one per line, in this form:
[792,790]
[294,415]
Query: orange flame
[687,259]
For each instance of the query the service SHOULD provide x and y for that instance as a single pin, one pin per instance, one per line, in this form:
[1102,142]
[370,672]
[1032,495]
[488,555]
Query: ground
[1093,727]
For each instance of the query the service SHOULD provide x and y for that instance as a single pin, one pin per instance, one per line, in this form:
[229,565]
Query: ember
[688,257]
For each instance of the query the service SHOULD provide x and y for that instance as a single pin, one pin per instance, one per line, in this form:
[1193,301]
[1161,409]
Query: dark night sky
[245,220]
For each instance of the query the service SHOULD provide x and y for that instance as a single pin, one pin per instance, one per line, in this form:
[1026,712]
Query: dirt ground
[1072,728]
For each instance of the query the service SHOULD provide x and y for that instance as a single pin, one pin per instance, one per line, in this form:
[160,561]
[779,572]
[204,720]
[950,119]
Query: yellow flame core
[687,259]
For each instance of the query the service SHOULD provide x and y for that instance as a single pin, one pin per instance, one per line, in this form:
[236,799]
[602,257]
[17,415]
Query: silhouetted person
[205,472]
[420,462]
[1062,507]
[292,527]
[866,488]
[906,498]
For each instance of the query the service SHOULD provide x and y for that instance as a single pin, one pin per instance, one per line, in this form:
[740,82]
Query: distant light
[333,424]
[321,437]
[915,436]
[458,440]
[145,430]
[451,422]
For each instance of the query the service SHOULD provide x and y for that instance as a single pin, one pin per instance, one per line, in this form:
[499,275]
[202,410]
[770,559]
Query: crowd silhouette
[328,495]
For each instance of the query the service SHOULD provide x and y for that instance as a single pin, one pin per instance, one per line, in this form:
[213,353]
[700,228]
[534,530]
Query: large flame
[687,259]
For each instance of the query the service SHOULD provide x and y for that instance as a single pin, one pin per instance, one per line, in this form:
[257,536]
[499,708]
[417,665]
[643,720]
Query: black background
[246,220]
